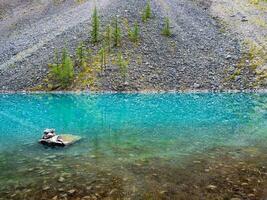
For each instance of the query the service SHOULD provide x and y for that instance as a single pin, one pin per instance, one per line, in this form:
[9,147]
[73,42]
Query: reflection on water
[135,146]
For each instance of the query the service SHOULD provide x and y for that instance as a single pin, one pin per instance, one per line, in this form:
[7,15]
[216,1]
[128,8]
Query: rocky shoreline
[222,173]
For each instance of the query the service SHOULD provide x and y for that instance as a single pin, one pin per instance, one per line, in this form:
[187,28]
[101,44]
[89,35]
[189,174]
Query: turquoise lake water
[123,129]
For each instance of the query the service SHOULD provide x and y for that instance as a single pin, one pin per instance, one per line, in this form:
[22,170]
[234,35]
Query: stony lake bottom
[135,146]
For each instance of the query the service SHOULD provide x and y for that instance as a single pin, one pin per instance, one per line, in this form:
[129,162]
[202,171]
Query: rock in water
[67,139]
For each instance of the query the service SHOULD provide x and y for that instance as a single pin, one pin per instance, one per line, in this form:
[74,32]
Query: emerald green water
[127,137]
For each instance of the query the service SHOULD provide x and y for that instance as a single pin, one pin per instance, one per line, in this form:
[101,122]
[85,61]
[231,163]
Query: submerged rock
[211,187]
[61,179]
[66,140]
[71,192]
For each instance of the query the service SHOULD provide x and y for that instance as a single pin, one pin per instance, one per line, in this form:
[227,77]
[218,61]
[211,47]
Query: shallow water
[135,146]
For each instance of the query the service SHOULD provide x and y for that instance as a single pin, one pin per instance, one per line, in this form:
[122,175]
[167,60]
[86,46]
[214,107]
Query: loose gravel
[199,54]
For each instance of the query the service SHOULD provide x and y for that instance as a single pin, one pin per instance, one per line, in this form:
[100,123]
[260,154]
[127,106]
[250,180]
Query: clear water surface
[119,129]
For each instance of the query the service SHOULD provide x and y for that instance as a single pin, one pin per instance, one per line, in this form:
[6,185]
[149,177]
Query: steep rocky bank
[201,53]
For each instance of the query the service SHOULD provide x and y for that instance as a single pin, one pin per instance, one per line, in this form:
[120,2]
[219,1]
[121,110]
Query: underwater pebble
[211,187]
[52,157]
[61,179]
[13,195]
[86,198]
[71,192]
[46,188]
[89,188]
[251,195]
[61,190]
[54,198]
[30,169]
[113,191]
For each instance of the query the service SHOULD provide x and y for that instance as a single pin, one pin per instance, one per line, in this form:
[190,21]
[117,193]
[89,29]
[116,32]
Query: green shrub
[116,33]
[123,65]
[62,72]
[95,26]
[147,12]
[134,33]
[166,29]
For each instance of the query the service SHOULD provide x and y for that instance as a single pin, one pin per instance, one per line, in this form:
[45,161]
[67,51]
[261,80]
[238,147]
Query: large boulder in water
[66,140]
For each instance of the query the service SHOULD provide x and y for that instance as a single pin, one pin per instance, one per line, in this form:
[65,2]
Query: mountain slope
[201,54]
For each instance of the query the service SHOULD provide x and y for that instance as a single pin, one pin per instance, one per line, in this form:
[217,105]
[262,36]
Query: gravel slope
[199,55]
[26,49]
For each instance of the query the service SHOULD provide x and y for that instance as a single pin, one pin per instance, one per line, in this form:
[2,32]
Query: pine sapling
[166,29]
[134,33]
[108,37]
[116,33]
[102,55]
[95,26]
[67,70]
[147,12]
[81,55]
[123,65]
[62,72]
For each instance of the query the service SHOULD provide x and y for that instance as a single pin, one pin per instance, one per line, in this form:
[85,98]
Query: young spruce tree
[166,31]
[123,65]
[108,37]
[102,55]
[116,33]
[95,26]
[147,12]
[62,72]
[67,70]
[134,33]
[81,55]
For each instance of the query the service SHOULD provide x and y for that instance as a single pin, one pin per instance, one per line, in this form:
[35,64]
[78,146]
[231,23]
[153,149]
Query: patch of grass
[253,60]
[257,1]
[257,54]
[2,13]
[58,2]
[259,22]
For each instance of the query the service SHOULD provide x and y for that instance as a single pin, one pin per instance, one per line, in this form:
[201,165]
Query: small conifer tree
[166,29]
[116,33]
[147,12]
[108,37]
[102,55]
[95,26]
[62,72]
[81,55]
[67,70]
[123,65]
[134,33]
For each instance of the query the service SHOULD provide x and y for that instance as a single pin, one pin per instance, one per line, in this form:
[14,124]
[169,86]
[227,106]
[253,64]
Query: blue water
[179,122]
[140,144]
